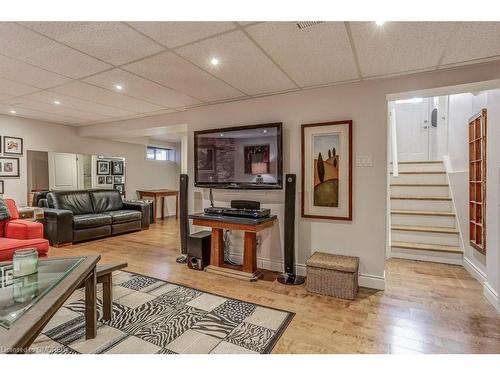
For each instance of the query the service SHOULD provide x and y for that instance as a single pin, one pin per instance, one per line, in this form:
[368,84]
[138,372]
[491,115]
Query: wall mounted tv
[243,157]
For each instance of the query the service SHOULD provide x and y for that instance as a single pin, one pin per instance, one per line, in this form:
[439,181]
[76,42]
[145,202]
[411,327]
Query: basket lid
[333,262]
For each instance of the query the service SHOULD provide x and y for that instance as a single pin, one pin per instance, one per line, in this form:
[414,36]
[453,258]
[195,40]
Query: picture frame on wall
[327,170]
[2,187]
[101,180]
[119,187]
[117,167]
[109,180]
[118,179]
[12,145]
[9,167]
[103,167]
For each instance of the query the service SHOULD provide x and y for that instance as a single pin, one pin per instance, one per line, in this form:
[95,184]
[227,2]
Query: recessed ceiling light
[214,61]
[379,23]
[222,134]
[12,111]
[119,87]
[57,102]
[265,131]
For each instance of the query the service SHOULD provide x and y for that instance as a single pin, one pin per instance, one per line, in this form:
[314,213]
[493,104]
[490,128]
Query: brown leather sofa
[79,215]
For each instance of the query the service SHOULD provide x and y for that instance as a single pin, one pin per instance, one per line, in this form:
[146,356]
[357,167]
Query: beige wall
[42,136]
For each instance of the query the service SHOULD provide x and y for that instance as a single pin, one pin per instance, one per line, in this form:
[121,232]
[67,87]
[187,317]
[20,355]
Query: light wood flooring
[426,307]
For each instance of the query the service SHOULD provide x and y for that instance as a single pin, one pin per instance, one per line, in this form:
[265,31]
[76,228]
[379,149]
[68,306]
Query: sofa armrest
[145,211]
[58,226]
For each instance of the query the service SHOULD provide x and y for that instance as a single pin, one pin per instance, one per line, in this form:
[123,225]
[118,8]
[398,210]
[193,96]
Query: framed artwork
[256,154]
[327,170]
[206,158]
[102,167]
[119,187]
[2,187]
[117,167]
[101,180]
[118,179]
[109,180]
[9,167]
[12,145]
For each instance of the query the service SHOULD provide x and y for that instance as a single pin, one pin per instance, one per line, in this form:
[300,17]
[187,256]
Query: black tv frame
[242,186]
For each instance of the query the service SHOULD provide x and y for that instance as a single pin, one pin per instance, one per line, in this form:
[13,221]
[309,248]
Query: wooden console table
[160,193]
[218,223]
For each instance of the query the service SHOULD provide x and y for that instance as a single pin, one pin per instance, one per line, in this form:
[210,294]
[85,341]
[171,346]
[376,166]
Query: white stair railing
[394,142]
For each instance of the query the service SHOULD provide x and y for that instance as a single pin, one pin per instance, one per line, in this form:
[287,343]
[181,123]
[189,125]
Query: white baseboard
[364,280]
[491,295]
[475,272]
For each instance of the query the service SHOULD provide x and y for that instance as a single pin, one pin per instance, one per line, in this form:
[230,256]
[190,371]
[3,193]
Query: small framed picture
[102,167]
[12,145]
[101,180]
[9,167]
[109,180]
[2,187]
[117,167]
[118,179]
[119,187]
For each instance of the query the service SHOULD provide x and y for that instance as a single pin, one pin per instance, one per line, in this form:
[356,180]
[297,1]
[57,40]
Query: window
[159,153]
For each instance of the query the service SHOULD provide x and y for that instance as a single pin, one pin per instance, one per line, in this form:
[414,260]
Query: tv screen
[243,157]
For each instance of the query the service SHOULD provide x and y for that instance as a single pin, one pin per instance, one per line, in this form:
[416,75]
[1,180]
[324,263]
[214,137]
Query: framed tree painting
[327,170]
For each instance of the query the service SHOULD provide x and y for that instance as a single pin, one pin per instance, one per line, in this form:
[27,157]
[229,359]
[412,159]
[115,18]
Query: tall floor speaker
[183,216]
[289,277]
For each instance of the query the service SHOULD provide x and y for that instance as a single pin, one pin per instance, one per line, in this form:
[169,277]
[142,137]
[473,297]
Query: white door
[412,129]
[63,171]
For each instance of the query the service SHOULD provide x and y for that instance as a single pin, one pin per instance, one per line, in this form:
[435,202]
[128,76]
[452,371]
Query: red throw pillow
[11,205]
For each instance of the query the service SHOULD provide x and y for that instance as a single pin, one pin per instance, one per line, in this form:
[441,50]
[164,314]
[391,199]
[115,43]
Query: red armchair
[20,234]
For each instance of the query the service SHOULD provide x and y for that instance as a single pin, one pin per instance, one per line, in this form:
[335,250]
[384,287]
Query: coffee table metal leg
[91,305]
[107,297]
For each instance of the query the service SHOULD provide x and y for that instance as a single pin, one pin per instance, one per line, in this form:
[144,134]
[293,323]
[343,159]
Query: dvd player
[239,212]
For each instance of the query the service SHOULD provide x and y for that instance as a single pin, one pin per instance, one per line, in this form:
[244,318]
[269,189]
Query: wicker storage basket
[332,275]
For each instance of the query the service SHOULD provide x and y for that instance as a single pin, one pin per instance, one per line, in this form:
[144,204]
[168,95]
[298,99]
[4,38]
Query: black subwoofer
[199,246]
[289,277]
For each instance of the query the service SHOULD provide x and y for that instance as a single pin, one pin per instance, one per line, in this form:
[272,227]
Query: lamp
[259,168]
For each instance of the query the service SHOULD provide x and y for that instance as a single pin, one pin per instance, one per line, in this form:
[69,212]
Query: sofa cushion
[77,201]
[23,229]
[8,246]
[105,200]
[124,216]
[91,221]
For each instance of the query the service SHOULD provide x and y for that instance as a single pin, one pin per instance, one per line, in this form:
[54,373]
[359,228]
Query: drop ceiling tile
[10,89]
[113,42]
[174,34]
[241,63]
[24,73]
[399,47]
[172,71]
[26,45]
[311,56]
[54,110]
[142,88]
[473,40]
[78,104]
[99,95]
[40,116]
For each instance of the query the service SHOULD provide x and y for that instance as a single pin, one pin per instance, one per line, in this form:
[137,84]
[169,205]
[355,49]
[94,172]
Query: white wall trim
[364,280]
[476,273]
[491,295]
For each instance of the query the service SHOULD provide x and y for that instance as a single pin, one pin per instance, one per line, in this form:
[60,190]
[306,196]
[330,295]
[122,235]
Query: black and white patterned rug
[154,316]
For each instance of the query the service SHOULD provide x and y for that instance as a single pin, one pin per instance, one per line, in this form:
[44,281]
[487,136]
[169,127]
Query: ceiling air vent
[303,25]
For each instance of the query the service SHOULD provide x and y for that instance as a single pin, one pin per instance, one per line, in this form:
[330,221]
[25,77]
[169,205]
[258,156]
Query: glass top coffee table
[27,303]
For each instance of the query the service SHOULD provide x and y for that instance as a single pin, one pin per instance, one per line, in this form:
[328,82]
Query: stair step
[420,162]
[413,228]
[422,172]
[426,247]
[418,185]
[420,198]
[427,213]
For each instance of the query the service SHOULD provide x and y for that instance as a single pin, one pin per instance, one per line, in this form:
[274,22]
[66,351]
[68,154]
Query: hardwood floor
[426,307]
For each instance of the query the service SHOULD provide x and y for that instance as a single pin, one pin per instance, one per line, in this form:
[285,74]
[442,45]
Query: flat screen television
[243,157]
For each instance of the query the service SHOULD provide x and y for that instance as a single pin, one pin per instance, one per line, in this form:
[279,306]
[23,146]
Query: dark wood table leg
[162,208]
[250,252]
[217,252]
[176,206]
[154,209]
[91,305]
[107,296]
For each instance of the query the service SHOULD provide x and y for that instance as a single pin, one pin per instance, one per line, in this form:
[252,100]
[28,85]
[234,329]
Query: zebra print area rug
[154,316]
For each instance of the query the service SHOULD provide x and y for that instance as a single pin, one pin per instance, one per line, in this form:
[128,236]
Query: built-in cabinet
[477,180]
